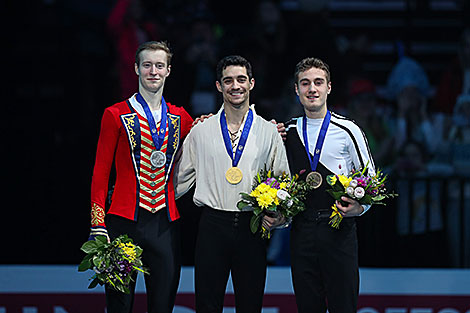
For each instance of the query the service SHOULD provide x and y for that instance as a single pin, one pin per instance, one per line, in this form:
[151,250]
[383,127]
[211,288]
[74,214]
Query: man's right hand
[201,119]
[281,129]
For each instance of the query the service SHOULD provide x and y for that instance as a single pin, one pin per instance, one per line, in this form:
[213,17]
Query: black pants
[324,262]
[225,244]
[160,241]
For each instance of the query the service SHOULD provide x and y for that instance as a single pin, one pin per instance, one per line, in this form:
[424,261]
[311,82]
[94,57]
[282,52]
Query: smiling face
[235,86]
[313,88]
[153,69]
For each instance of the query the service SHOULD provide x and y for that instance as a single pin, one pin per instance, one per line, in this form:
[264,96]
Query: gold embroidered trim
[176,135]
[97,215]
[130,122]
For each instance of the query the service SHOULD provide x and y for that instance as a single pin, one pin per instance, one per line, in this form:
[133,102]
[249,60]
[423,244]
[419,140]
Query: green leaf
[338,186]
[257,211]
[367,199]
[89,246]
[94,283]
[85,264]
[329,179]
[242,204]
[378,198]
[97,261]
[336,194]
[254,223]
[125,239]
[101,239]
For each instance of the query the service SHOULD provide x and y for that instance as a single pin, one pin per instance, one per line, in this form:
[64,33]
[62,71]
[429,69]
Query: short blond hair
[154,45]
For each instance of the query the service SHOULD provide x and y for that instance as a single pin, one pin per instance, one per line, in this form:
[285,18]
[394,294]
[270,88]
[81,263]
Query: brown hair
[153,45]
[309,63]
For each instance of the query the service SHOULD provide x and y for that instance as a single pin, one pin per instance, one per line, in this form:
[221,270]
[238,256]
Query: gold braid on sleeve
[97,215]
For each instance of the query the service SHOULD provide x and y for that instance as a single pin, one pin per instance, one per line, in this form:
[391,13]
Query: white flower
[282,194]
[290,203]
[353,183]
[350,191]
[359,192]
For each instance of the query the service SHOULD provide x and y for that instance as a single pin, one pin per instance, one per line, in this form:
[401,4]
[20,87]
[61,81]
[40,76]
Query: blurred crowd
[416,126]
[412,126]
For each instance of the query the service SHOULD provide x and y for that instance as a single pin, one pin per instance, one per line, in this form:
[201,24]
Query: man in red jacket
[142,135]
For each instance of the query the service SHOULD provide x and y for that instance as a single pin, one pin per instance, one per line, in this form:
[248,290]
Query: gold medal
[314,179]
[234,175]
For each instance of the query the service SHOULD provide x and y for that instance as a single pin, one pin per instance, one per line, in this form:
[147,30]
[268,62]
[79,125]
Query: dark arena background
[393,63]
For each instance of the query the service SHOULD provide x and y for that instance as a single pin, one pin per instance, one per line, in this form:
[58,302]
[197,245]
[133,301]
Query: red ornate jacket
[119,141]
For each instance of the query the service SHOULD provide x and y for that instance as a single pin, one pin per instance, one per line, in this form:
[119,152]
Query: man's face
[152,70]
[235,85]
[313,89]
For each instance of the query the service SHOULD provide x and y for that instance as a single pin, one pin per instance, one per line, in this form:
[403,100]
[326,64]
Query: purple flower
[272,182]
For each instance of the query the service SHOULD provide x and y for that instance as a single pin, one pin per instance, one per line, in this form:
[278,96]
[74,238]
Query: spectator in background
[267,45]
[418,210]
[354,54]
[458,207]
[459,135]
[129,26]
[363,107]
[409,89]
[456,79]
[418,136]
[201,58]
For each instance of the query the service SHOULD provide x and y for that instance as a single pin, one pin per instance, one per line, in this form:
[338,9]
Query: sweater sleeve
[104,160]
[361,155]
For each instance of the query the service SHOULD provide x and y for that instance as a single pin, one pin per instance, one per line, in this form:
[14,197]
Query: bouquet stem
[335,217]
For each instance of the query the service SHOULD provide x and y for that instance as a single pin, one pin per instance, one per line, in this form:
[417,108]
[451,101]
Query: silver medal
[157,158]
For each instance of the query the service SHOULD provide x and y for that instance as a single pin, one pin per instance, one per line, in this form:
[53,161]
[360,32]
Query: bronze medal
[234,175]
[314,179]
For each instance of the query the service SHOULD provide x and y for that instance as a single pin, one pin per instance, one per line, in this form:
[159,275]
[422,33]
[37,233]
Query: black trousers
[225,244]
[324,264]
[160,241]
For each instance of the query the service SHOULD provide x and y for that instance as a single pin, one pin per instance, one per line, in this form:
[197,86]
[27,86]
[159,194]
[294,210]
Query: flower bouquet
[358,185]
[274,195]
[114,263]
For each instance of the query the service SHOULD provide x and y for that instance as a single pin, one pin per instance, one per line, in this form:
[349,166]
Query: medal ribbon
[159,137]
[243,138]
[320,139]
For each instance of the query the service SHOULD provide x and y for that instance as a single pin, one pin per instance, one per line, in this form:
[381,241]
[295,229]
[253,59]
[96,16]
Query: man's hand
[353,207]
[201,119]
[280,128]
[271,222]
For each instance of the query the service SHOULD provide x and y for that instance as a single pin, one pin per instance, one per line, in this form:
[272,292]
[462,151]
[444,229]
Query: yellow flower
[262,188]
[272,192]
[283,185]
[255,193]
[129,250]
[276,200]
[264,200]
[344,180]
[335,217]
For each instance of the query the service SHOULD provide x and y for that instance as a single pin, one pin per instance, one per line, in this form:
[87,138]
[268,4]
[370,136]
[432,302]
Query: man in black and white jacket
[324,259]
